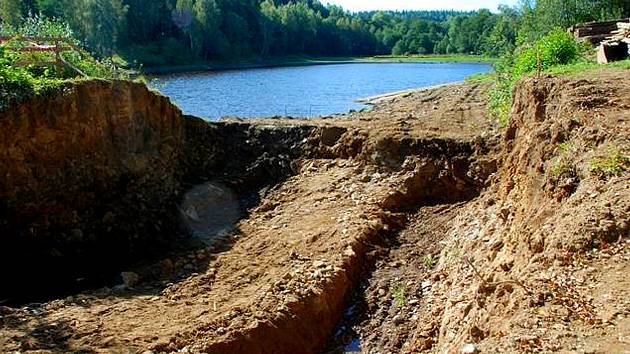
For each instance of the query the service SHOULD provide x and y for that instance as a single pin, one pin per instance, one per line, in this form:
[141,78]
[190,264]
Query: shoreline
[218,67]
[390,96]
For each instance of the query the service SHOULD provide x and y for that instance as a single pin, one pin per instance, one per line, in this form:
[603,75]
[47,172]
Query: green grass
[19,80]
[565,147]
[399,294]
[428,261]
[450,58]
[612,163]
[563,162]
[560,166]
[586,66]
[482,78]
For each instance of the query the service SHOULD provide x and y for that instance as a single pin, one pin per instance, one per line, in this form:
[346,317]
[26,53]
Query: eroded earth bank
[418,226]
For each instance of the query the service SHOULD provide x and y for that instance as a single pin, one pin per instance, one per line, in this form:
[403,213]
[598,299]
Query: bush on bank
[18,80]
[558,48]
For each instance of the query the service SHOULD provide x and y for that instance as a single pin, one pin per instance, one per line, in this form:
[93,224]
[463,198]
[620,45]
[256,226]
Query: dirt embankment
[91,179]
[536,263]
[86,174]
[460,235]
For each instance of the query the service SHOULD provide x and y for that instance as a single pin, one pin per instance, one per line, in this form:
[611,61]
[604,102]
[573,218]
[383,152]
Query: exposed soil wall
[91,172]
[244,155]
[532,234]
[534,263]
[90,178]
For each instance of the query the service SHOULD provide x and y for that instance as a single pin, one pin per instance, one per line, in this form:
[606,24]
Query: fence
[32,44]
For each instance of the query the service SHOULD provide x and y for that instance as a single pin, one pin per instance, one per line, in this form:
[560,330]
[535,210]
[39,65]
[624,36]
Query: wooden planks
[596,32]
[33,44]
[616,45]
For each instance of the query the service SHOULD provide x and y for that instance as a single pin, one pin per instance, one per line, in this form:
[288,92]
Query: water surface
[302,91]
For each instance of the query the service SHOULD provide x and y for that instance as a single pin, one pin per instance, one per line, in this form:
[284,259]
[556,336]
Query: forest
[182,31]
[167,32]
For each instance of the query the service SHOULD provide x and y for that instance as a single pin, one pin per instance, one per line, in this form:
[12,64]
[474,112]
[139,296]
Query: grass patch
[399,294]
[614,162]
[560,166]
[449,58]
[500,102]
[563,162]
[586,66]
[428,261]
[565,147]
[481,78]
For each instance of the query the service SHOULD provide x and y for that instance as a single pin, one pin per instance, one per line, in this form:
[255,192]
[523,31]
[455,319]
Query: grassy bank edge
[500,93]
[308,61]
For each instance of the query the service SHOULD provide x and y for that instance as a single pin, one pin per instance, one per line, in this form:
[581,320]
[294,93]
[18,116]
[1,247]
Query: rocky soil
[438,230]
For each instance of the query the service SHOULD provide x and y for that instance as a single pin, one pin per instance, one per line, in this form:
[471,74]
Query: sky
[366,5]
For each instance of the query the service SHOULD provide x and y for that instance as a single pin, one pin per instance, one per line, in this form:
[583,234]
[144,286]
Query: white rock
[469,349]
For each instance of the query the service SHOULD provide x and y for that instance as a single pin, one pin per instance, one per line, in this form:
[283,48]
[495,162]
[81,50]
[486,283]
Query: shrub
[500,95]
[556,48]
[18,81]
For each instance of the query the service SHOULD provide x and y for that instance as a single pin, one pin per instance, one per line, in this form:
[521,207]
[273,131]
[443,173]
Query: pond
[303,91]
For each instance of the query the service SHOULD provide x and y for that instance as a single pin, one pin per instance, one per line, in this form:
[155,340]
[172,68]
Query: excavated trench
[427,172]
[328,217]
[224,167]
[261,182]
[442,173]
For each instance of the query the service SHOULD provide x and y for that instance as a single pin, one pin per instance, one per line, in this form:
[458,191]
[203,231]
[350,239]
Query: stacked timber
[616,46]
[595,32]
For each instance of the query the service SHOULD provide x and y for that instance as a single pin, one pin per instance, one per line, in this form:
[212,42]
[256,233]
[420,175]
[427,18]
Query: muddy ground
[429,226]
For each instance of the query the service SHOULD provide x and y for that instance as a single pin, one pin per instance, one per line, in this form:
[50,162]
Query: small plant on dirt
[398,292]
[576,121]
[613,163]
[428,261]
[560,166]
[565,147]
[562,163]
[451,257]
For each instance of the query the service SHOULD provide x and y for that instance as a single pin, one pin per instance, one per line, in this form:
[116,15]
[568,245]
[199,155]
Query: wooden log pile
[595,32]
[616,46]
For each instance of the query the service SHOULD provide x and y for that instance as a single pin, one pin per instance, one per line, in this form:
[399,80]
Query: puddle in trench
[353,347]
[345,339]
[348,338]
[210,211]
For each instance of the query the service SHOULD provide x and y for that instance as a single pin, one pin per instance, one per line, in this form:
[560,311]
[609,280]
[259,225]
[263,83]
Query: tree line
[163,32]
